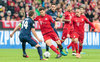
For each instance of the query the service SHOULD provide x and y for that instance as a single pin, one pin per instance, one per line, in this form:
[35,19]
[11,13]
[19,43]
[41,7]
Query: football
[46,54]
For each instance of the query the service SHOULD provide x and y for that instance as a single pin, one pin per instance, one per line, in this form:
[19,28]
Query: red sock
[54,49]
[57,47]
[76,47]
[69,45]
[80,48]
[73,47]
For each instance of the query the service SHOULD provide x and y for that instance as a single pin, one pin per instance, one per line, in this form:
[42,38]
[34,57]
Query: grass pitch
[15,55]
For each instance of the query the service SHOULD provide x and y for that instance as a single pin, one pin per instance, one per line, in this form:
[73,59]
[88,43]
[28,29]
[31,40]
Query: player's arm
[55,25]
[52,20]
[36,18]
[34,32]
[63,19]
[87,21]
[15,29]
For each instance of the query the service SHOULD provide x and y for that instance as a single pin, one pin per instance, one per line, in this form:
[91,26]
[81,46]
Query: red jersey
[45,23]
[68,16]
[79,22]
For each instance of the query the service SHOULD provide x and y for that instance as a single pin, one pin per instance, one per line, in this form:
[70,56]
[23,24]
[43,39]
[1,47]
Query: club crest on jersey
[82,19]
[46,19]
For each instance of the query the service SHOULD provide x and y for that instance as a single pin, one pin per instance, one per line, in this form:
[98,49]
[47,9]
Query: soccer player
[47,31]
[78,23]
[54,14]
[68,27]
[27,25]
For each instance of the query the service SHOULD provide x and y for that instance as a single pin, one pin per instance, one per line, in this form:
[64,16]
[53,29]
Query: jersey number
[25,24]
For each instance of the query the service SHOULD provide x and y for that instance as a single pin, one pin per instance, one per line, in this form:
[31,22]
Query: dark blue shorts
[28,39]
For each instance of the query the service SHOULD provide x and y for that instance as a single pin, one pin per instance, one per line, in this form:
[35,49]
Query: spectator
[4,10]
[8,17]
[0,8]
[26,11]
[90,15]
[17,1]
[2,18]
[16,17]
[29,2]
[59,5]
[22,13]
[11,8]
[21,5]
[16,8]
[10,2]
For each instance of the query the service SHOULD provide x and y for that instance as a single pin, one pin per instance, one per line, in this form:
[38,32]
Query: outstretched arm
[15,29]
[63,19]
[34,33]
[87,21]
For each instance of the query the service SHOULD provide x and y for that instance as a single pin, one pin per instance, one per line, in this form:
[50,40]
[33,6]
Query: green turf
[15,55]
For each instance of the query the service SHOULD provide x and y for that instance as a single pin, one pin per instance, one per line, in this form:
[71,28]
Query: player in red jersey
[68,27]
[78,23]
[48,32]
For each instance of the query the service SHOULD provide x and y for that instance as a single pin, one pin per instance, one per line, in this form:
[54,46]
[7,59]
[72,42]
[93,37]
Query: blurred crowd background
[15,10]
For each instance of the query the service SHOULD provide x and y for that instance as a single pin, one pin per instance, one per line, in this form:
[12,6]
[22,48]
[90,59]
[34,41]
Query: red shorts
[81,38]
[52,35]
[71,33]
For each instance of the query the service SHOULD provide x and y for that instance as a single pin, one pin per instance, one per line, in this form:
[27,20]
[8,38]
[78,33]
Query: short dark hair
[42,8]
[31,13]
[53,4]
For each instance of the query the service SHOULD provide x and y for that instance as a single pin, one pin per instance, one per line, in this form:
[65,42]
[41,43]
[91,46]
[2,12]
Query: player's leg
[48,42]
[74,37]
[47,47]
[75,43]
[80,47]
[23,46]
[33,42]
[81,43]
[54,37]
[60,47]
[64,36]
[23,49]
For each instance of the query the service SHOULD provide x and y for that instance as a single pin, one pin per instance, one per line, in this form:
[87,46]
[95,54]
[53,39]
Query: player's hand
[55,27]
[96,30]
[39,40]
[11,35]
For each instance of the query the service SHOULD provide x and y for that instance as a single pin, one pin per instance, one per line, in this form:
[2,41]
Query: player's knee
[58,42]
[75,40]
[48,42]
[80,44]
[37,45]
[62,40]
